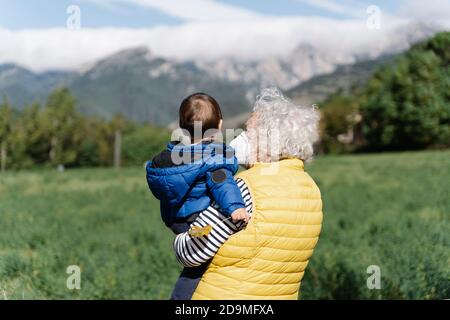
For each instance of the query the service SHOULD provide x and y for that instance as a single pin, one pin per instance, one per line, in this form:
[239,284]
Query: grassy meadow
[390,210]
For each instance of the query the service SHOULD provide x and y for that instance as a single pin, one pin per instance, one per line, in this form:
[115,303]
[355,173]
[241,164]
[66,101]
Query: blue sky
[33,14]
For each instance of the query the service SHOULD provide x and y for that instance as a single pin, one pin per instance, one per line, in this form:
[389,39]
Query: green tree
[89,153]
[60,122]
[408,104]
[5,132]
[338,115]
[58,134]
[33,126]
[143,143]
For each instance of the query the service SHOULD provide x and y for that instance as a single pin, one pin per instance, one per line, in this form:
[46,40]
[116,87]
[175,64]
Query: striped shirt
[192,252]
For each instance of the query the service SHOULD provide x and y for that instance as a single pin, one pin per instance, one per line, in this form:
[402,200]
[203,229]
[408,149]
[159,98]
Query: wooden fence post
[3,156]
[117,148]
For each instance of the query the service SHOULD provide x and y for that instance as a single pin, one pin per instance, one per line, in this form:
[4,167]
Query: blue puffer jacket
[187,178]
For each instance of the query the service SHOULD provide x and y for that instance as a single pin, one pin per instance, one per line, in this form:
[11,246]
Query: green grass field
[390,210]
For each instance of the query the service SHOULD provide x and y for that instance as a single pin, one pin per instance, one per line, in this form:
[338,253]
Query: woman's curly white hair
[282,129]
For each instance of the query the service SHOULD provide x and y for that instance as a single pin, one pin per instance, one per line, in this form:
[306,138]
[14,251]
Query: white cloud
[437,11]
[234,32]
[192,10]
[242,39]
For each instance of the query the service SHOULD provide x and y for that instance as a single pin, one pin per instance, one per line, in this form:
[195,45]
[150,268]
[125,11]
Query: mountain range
[148,88]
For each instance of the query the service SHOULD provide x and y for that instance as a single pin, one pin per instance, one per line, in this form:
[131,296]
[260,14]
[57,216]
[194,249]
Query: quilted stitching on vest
[268,259]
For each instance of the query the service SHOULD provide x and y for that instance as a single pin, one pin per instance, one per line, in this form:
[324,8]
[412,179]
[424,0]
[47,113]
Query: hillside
[343,79]
[134,83]
[22,86]
[148,88]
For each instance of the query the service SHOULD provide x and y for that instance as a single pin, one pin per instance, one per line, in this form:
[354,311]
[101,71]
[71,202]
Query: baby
[195,171]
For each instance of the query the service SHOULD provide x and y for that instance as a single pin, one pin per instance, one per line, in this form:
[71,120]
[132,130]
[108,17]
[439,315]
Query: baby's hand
[240,214]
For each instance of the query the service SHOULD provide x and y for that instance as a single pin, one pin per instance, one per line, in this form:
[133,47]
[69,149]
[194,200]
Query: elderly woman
[268,258]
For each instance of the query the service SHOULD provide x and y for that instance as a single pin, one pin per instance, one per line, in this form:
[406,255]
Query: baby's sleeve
[224,190]
[194,251]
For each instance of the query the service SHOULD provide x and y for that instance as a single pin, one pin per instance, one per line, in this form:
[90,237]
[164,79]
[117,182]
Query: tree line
[405,105]
[55,134]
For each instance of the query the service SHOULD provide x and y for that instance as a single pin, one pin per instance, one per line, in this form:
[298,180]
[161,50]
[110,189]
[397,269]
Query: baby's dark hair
[200,107]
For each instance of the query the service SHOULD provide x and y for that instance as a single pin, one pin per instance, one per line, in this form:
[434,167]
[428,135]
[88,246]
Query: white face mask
[241,146]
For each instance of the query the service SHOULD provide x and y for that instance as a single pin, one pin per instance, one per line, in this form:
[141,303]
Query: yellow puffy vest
[267,260]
